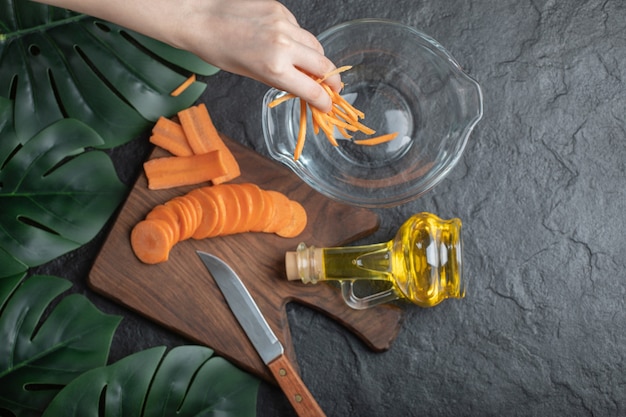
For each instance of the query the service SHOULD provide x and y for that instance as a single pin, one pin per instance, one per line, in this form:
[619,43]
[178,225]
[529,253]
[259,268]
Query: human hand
[259,39]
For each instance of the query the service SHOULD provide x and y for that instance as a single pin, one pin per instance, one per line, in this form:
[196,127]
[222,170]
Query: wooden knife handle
[293,387]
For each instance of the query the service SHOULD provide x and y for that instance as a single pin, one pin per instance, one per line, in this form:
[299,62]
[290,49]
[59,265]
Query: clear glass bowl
[404,81]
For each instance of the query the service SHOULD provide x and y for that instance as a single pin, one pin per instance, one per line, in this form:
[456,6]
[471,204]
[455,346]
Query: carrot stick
[280,100]
[183,86]
[171,145]
[198,128]
[175,171]
[203,137]
[169,135]
[344,133]
[376,140]
[301,131]
[334,72]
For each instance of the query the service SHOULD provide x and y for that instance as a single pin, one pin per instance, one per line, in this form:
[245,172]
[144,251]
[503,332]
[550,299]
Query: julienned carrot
[377,140]
[301,131]
[213,211]
[203,137]
[184,85]
[343,117]
[334,72]
[280,99]
[176,171]
[324,125]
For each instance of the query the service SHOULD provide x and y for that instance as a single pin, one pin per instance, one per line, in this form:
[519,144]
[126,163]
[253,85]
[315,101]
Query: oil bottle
[421,264]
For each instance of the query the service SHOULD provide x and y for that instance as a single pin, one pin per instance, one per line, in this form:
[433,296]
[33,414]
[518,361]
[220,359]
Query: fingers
[303,86]
[308,60]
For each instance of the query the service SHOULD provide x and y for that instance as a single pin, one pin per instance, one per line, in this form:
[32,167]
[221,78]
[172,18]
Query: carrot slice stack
[213,211]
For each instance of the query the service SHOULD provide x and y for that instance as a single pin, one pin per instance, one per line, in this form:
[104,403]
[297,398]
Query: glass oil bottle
[421,264]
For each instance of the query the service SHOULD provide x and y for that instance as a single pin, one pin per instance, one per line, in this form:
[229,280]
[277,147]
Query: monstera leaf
[56,64]
[38,357]
[185,382]
[55,194]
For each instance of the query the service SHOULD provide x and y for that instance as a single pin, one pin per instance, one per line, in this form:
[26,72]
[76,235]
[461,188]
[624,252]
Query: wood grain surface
[181,295]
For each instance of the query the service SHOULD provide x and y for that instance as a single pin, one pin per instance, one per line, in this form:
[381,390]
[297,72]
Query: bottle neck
[366,262]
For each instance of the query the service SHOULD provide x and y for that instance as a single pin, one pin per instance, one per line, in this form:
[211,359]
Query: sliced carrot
[257,204]
[203,137]
[169,135]
[209,214]
[221,219]
[184,85]
[196,210]
[230,210]
[377,139]
[150,240]
[267,213]
[282,212]
[165,213]
[175,171]
[246,208]
[185,217]
[297,223]
[212,211]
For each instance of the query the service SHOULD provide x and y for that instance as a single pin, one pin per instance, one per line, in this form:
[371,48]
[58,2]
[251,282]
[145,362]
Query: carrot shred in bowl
[343,117]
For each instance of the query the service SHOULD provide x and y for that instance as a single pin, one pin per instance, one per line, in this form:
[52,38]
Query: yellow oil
[422,262]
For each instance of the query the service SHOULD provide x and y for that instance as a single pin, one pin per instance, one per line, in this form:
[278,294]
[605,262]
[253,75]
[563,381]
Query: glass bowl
[404,81]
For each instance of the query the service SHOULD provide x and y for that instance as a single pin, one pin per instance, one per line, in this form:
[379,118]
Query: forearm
[259,39]
[158,19]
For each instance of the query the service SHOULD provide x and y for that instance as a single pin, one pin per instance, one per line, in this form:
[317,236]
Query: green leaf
[39,356]
[55,195]
[187,381]
[56,64]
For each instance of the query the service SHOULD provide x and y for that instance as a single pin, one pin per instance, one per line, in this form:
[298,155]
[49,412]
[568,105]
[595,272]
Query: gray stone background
[540,190]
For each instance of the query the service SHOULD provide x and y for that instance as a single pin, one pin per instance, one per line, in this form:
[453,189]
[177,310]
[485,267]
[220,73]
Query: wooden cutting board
[181,295]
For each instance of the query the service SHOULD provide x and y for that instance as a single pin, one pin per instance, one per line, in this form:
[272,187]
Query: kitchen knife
[261,335]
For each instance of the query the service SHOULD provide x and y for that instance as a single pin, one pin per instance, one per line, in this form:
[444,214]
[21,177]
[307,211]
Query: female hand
[259,39]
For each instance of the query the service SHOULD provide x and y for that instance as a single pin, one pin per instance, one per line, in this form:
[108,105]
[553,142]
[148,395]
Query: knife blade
[261,336]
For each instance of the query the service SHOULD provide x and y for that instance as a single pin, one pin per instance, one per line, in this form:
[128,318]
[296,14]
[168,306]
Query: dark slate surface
[541,192]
